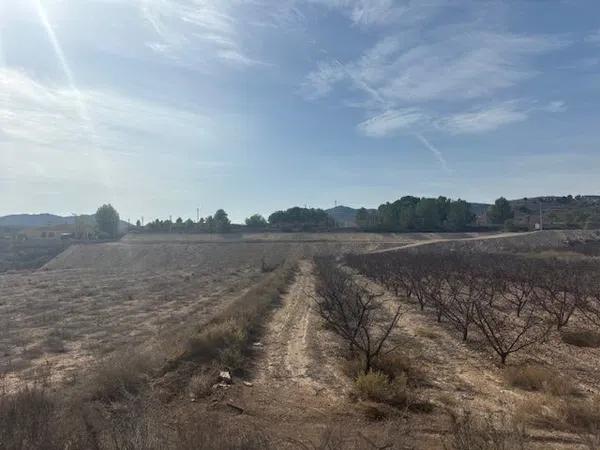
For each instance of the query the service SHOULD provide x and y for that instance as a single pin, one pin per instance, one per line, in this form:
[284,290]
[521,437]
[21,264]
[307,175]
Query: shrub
[232,358]
[468,432]
[581,338]
[119,376]
[538,378]
[201,384]
[393,365]
[378,387]
[397,364]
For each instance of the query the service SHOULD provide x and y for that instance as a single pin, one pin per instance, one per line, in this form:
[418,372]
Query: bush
[538,378]
[201,384]
[581,338]
[468,432]
[378,387]
[398,364]
[119,376]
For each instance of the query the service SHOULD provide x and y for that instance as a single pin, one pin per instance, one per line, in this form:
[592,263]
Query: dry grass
[201,384]
[26,419]
[33,420]
[469,432]
[120,376]
[427,332]
[227,336]
[581,338]
[562,414]
[539,378]
[77,317]
[112,409]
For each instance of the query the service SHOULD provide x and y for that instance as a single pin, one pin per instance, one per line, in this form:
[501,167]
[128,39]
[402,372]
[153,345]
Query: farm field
[93,300]
[191,308]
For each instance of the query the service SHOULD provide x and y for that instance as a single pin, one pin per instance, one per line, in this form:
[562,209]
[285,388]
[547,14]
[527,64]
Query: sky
[164,106]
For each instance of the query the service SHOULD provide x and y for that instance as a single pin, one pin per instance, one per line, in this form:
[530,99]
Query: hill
[20,221]
[34,220]
[581,211]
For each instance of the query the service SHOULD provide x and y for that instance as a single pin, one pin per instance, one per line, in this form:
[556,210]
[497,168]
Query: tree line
[417,214]
[406,214]
[217,223]
[513,302]
[429,214]
[292,219]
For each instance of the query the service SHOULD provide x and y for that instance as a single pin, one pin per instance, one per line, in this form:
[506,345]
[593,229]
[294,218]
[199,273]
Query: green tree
[209,224]
[405,213]
[301,218]
[459,215]
[428,214]
[365,219]
[222,223]
[500,211]
[256,221]
[107,220]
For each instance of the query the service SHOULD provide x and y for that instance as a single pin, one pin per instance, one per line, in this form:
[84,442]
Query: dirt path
[293,359]
[435,241]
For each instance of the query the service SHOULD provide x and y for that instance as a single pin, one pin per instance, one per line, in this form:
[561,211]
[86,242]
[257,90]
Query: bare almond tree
[554,291]
[505,333]
[353,312]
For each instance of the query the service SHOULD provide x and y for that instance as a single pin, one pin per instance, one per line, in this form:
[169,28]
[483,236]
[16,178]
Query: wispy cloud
[48,115]
[478,120]
[433,78]
[183,25]
[483,120]
[391,122]
[448,67]
[368,13]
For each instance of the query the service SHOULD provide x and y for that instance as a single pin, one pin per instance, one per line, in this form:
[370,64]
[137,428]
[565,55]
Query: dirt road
[295,373]
[437,241]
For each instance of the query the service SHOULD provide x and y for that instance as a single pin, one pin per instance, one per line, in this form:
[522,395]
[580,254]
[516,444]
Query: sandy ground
[64,320]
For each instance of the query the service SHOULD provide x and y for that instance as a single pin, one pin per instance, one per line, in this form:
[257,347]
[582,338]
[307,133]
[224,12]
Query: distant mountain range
[46,220]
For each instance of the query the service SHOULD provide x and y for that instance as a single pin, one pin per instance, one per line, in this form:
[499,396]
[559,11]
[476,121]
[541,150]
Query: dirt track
[294,357]
[297,383]
[438,240]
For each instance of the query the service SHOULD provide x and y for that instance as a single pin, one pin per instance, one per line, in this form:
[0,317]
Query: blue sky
[163,106]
